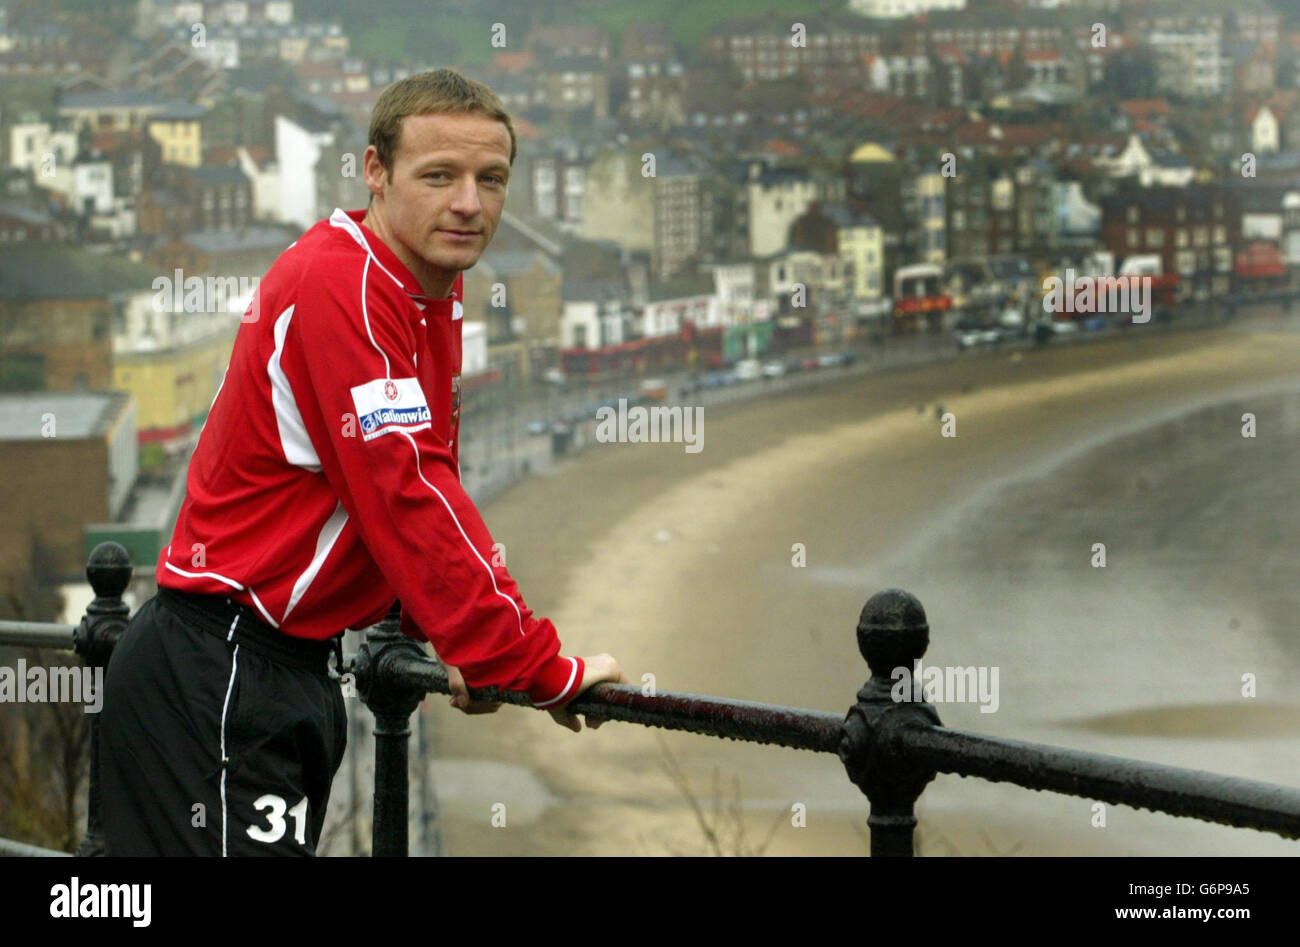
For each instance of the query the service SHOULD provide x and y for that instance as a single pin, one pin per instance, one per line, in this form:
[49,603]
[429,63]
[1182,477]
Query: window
[1155,237]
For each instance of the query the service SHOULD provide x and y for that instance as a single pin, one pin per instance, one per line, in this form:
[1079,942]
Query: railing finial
[892,633]
[108,570]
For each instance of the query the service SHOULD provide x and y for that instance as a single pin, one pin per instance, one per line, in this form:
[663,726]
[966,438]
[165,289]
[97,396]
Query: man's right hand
[598,668]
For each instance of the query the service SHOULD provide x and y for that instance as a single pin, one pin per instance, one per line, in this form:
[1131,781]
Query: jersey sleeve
[350,362]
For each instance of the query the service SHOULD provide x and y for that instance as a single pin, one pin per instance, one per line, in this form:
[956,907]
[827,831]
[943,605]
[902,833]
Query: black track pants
[212,743]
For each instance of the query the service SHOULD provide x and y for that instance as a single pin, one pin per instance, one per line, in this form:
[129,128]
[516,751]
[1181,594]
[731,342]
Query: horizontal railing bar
[1199,794]
[1212,797]
[36,634]
[714,716]
[11,849]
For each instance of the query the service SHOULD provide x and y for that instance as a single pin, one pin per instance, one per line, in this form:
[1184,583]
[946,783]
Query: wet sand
[680,565]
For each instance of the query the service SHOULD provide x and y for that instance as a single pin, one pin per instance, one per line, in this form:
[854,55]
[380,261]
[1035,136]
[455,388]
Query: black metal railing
[890,749]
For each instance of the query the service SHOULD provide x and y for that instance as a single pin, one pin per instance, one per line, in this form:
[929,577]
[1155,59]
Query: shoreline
[614,586]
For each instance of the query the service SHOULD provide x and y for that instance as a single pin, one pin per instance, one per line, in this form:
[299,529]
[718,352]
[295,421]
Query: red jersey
[326,480]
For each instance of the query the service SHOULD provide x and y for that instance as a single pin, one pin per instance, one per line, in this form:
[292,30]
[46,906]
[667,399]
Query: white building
[298,148]
[170,13]
[31,142]
[1188,64]
[474,348]
[591,324]
[1160,168]
[776,197]
[265,182]
[901,9]
[733,288]
[1265,132]
[667,316]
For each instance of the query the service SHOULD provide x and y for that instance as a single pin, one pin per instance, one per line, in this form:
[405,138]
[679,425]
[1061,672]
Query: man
[325,486]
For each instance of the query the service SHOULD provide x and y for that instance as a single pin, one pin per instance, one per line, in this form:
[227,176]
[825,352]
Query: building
[515,294]
[762,48]
[559,185]
[39,147]
[178,130]
[776,197]
[594,314]
[1193,230]
[304,145]
[617,200]
[67,460]
[1151,166]
[113,110]
[172,361]
[57,310]
[902,9]
[860,243]
[153,14]
[684,217]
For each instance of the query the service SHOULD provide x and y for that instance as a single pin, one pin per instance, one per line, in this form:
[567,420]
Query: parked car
[654,389]
[748,369]
[538,427]
[713,380]
[774,369]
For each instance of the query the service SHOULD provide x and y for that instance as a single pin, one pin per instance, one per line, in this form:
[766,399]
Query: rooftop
[79,414]
[250,238]
[40,271]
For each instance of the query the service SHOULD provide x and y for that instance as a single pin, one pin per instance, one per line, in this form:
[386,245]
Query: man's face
[444,196]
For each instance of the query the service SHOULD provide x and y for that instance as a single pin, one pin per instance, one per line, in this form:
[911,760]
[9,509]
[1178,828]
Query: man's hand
[598,668]
[460,695]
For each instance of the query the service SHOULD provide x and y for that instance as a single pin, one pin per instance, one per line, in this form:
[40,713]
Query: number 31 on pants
[273,807]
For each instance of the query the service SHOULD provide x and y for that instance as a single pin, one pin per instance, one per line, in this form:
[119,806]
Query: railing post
[392,704]
[109,572]
[892,633]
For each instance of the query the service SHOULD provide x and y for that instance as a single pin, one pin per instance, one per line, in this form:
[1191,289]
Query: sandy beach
[680,564]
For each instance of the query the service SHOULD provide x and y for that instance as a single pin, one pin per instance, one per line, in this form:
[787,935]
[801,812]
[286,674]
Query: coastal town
[853,227]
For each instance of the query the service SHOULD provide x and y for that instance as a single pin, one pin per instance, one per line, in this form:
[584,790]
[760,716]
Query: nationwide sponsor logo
[371,423]
[390,404]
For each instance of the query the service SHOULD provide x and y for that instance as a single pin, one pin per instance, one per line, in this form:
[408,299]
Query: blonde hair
[425,93]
